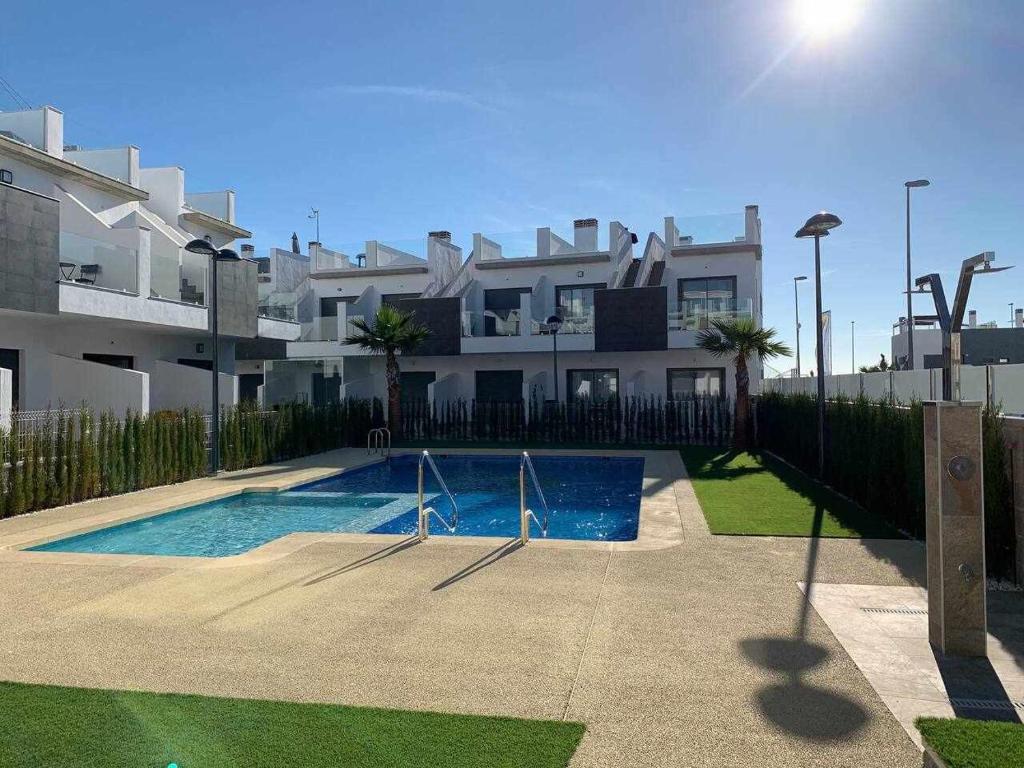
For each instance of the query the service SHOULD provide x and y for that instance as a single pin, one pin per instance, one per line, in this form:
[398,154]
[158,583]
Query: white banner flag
[826,345]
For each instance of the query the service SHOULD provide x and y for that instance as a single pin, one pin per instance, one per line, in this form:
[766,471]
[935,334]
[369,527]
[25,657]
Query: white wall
[101,387]
[177,386]
[6,383]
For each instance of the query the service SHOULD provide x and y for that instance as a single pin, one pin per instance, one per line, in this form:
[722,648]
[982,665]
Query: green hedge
[71,456]
[68,457]
[874,454]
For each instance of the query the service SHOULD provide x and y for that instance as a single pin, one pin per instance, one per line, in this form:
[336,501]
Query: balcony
[698,314]
[178,275]
[97,264]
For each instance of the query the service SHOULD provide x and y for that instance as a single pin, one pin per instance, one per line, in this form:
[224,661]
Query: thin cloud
[417,93]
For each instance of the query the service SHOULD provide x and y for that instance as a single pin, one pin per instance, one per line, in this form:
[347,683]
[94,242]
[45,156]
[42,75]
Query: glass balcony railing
[573,323]
[179,275]
[697,314]
[277,311]
[85,261]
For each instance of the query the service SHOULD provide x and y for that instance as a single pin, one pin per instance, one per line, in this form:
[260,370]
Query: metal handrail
[424,512]
[381,437]
[525,513]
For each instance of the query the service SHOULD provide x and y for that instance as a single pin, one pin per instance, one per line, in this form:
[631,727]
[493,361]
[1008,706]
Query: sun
[823,19]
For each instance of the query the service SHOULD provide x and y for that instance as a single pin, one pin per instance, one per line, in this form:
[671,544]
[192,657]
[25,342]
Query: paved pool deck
[680,649]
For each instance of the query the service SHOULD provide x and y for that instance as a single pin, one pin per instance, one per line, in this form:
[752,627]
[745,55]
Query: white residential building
[629,320]
[99,301]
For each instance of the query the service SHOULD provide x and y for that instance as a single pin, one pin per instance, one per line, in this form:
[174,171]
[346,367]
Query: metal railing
[525,513]
[379,441]
[425,512]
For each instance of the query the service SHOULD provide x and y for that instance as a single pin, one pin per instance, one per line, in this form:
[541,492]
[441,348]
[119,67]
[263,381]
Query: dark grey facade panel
[261,349]
[631,319]
[29,251]
[237,298]
[442,317]
[984,346]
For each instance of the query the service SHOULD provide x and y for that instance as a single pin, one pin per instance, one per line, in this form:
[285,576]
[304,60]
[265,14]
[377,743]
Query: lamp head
[806,231]
[799,277]
[202,247]
[554,323]
[917,183]
[226,254]
[822,222]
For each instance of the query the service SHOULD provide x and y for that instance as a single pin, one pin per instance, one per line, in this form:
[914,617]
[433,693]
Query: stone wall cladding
[29,251]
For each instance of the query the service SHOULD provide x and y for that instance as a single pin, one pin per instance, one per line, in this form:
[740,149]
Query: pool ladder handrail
[424,511]
[381,438]
[525,513]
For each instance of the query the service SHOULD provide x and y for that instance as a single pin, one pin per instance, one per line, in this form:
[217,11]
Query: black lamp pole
[205,248]
[817,227]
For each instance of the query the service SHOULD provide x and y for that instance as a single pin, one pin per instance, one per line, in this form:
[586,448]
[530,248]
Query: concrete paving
[885,632]
[681,649]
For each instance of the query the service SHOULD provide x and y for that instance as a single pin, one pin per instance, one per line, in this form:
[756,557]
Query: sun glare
[823,19]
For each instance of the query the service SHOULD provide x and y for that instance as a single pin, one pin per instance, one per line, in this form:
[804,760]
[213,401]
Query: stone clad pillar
[955,527]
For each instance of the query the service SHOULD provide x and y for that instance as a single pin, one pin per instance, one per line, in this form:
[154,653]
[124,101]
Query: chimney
[1018,318]
[441,234]
[314,246]
[972,319]
[248,250]
[585,235]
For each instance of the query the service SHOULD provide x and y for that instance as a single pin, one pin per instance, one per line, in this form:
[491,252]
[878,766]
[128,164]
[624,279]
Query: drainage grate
[900,611]
[987,704]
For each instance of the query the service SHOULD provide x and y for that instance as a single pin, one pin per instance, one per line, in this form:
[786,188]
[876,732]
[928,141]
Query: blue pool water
[589,498]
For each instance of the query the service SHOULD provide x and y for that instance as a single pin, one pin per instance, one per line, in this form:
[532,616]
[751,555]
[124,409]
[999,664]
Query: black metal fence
[614,421]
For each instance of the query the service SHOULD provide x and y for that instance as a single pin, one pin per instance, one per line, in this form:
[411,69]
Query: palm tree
[741,338]
[392,331]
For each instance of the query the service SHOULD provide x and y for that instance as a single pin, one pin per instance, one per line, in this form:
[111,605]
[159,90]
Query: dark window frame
[670,371]
[570,397]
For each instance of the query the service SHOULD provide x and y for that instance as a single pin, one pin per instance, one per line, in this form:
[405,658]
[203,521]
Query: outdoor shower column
[955,527]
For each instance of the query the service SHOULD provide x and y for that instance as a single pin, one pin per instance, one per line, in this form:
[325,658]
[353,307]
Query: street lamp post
[315,214]
[853,347]
[796,308]
[205,248]
[910,303]
[818,227]
[554,323]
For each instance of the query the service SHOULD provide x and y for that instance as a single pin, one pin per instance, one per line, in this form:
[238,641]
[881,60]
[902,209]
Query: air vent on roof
[580,223]
[72,147]
[441,234]
[248,248]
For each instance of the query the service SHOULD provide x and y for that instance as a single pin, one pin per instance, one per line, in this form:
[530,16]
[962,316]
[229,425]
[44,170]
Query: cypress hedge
[874,454]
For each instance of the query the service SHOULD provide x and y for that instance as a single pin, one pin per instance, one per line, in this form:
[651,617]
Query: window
[329,304]
[11,360]
[501,311]
[687,382]
[414,384]
[700,299]
[575,305]
[499,386]
[594,384]
[118,361]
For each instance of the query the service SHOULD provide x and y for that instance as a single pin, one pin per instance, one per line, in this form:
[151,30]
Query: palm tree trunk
[394,394]
[741,439]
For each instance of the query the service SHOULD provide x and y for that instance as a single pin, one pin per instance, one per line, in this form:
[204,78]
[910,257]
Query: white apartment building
[99,301]
[630,320]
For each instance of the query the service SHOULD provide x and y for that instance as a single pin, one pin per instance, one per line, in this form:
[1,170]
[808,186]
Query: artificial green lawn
[54,727]
[974,743]
[756,494]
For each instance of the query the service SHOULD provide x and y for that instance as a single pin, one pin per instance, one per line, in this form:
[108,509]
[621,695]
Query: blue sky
[398,118]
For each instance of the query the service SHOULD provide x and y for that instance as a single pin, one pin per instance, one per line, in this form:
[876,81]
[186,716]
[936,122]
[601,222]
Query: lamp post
[554,323]
[1011,315]
[910,304]
[205,248]
[853,347]
[818,227]
[796,308]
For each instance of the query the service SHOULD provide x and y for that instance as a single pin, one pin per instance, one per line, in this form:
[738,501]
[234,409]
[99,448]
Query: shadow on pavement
[369,559]
[489,559]
[804,710]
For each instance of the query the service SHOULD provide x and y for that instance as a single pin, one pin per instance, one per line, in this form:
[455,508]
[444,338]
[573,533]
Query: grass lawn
[755,494]
[974,743]
[52,726]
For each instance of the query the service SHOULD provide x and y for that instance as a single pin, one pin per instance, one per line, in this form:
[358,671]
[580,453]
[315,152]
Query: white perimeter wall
[182,386]
[5,398]
[102,387]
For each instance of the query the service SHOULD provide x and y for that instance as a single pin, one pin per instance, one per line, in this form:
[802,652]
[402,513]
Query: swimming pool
[590,498]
